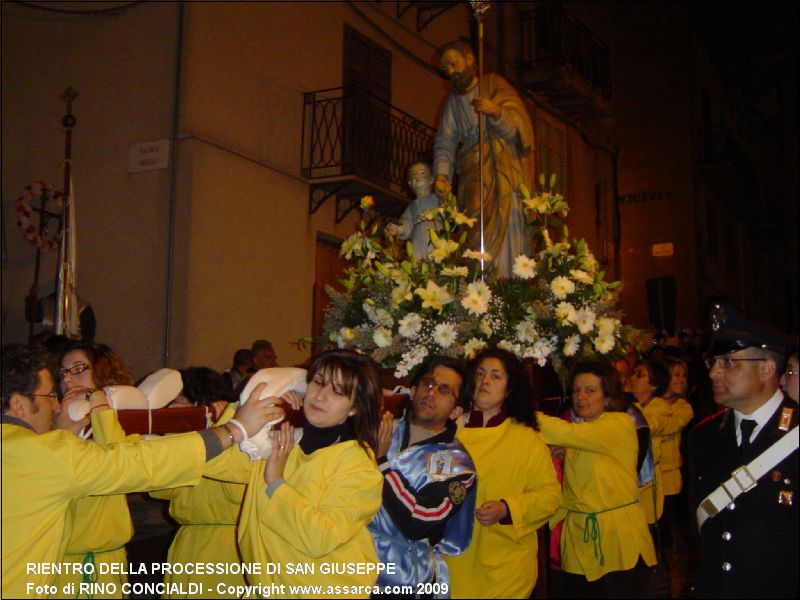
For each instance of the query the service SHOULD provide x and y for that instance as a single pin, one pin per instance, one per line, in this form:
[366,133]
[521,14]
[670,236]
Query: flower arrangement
[35,192]
[556,307]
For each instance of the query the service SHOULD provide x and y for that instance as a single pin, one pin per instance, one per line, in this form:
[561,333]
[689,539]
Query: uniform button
[726,566]
[727,536]
[732,506]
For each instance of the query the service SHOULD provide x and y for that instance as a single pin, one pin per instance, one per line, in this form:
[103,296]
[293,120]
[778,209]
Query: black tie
[746,426]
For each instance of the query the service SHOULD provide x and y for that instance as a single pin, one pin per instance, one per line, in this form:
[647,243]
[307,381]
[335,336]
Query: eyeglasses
[51,395]
[726,362]
[429,383]
[73,370]
[790,372]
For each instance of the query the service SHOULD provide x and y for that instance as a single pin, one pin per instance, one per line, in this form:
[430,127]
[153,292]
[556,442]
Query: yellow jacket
[101,525]
[600,483]
[207,514]
[662,422]
[671,460]
[43,473]
[317,517]
[514,465]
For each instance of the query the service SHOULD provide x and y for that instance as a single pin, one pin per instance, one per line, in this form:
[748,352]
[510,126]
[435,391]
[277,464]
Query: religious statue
[410,226]
[507,155]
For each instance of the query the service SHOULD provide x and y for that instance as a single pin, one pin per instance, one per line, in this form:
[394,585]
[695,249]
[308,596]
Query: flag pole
[64,308]
[479,9]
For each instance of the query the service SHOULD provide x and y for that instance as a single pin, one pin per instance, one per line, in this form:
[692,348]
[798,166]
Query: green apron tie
[591,529]
[91,578]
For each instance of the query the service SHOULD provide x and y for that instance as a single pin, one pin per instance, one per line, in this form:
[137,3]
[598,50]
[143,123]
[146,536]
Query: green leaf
[524,191]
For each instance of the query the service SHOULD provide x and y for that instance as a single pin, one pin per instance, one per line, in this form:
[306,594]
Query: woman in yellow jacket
[648,383]
[518,490]
[606,548]
[101,525]
[310,523]
[207,513]
[671,463]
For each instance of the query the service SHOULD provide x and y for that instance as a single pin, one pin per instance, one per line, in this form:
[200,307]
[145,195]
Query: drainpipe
[173,177]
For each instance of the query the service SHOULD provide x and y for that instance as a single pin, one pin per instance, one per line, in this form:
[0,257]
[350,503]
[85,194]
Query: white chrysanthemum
[474,303]
[526,331]
[566,313]
[581,276]
[382,337]
[524,267]
[604,344]
[561,287]
[444,334]
[571,345]
[474,254]
[455,271]
[606,326]
[584,319]
[409,325]
[472,347]
[482,289]
[409,360]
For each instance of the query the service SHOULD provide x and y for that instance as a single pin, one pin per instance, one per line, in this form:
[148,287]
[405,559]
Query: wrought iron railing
[349,132]
[551,35]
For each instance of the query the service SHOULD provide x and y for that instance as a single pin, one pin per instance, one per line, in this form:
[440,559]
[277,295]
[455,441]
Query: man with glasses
[429,482]
[44,467]
[748,529]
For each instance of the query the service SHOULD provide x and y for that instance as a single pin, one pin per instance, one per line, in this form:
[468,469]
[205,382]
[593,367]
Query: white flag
[67,322]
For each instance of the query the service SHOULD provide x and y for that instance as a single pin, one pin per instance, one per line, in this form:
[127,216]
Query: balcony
[563,62]
[355,144]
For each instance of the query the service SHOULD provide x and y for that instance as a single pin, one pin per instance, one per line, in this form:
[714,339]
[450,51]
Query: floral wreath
[30,232]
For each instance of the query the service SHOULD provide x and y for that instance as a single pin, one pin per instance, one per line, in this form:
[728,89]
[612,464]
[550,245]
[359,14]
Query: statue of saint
[410,226]
[507,155]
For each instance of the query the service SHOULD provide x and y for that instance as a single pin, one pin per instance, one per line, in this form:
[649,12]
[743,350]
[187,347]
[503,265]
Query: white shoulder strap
[746,477]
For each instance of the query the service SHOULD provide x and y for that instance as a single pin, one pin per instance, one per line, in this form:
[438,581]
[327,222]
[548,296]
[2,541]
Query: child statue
[410,225]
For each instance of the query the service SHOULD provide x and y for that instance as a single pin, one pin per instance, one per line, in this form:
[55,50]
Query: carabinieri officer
[748,520]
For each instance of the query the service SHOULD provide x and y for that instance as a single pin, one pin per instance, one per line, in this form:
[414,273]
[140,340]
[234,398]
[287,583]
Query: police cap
[733,332]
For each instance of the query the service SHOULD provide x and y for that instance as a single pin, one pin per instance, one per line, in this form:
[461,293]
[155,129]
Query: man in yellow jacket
[44,469]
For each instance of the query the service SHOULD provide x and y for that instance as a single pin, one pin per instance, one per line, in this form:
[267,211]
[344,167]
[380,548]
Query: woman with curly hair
[518,490]
[101,524]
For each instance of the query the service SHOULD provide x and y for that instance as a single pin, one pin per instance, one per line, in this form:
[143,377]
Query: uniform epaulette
[710,417]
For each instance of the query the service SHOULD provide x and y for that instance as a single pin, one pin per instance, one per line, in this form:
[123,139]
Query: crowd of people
[445,500]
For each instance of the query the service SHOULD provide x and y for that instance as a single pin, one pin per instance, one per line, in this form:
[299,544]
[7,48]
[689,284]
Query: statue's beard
[462,79]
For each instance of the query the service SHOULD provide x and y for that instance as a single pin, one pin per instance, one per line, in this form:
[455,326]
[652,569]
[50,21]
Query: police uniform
[750,548]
